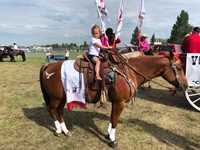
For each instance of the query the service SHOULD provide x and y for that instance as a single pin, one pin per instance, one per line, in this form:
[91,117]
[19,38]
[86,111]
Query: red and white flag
[120,19]
[103,13]
[142,13]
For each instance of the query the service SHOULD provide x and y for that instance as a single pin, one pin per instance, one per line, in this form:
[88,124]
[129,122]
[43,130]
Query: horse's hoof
[107,137]
[57,134]
[69,134]
[113,144]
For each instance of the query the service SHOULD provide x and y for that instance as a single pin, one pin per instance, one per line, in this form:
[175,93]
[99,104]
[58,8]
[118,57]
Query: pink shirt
[144,46]
[104,41]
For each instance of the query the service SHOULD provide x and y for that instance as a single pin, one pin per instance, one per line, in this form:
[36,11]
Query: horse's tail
[23,56]
[42,85]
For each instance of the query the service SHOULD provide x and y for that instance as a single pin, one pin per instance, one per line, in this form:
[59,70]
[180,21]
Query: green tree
[134,36]
[180,28]
[153,39]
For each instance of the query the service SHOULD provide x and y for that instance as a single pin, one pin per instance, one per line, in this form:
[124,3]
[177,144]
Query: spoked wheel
[193,96]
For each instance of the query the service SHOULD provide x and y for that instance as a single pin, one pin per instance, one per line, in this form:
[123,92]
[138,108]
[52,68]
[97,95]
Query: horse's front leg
[117,108]
[12,58]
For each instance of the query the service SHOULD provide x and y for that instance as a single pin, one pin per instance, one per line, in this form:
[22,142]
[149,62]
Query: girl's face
[96,33]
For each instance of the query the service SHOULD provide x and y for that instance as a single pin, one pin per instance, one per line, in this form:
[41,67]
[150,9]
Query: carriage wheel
[193,96]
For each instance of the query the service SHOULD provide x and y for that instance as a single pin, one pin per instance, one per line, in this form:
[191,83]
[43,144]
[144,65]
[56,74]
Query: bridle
[176,82]
[177,77]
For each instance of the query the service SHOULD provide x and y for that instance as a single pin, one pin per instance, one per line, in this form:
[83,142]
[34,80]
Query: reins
[124,61]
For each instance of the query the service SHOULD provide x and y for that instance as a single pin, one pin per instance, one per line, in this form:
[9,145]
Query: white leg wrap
[58,127]
[64,128]
[109,128]
[112,134]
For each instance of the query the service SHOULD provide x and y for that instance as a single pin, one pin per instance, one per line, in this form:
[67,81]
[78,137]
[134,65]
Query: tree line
[69,46]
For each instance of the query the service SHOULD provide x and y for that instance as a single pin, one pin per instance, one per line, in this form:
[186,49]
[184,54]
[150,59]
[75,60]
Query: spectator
[191,43]
[143,44]
[66,54]
[48,55]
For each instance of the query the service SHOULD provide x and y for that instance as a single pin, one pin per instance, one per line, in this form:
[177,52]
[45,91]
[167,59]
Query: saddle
[85,66]
[82,63]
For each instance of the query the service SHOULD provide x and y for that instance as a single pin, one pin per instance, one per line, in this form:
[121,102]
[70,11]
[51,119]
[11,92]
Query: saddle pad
[73,83]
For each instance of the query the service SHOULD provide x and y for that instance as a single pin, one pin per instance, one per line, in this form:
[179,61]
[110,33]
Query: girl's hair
[95,27]
[111,36]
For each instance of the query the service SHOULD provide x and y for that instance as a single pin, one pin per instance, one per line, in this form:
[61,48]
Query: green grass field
[156,121]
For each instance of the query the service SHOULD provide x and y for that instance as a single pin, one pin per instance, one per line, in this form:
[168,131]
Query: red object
[191,43]
[75,104]
[117,41]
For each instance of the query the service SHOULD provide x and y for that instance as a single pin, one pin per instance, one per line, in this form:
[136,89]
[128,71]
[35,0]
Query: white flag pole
[100,16]
[98,11]
[141,15]
[120,19]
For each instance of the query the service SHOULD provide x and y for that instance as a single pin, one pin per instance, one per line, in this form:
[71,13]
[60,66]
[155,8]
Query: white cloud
[70,20]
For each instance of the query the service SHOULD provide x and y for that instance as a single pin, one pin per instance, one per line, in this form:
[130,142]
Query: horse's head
[174,72]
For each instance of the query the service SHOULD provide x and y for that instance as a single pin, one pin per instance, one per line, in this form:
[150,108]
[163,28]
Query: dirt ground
[156,121]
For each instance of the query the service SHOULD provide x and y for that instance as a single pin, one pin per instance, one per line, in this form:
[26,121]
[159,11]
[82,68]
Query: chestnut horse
[129,75]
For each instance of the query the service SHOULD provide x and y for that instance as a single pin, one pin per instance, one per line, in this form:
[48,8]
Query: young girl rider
[94,49]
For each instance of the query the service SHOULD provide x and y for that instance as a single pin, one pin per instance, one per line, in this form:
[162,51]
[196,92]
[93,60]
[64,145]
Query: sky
[29,22]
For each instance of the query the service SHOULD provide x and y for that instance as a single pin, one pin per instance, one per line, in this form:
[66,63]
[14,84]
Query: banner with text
[193,69]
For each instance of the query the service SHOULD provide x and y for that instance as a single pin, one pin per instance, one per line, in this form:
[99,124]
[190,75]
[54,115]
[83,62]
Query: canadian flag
[120,19]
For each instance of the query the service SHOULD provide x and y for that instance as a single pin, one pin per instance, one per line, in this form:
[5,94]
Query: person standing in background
[191,43]
[66,54]
[48,55]
[143,44]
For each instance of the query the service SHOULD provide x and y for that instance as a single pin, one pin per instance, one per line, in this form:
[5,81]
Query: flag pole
[99,14]
[120,19]
[141,15]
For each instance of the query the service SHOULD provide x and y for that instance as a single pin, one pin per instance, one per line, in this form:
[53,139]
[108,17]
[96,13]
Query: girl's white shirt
[93,50]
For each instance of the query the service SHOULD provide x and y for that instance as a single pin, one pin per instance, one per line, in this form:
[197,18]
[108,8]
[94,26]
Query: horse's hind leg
[61,118]
[52,108]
